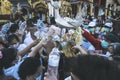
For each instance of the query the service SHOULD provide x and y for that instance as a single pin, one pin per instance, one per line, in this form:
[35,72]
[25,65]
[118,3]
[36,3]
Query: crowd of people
[25,46]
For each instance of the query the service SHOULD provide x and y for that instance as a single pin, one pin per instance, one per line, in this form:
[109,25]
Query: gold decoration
[67,49]
[78,36]
[40,6]
[65,8]
[6,7]
[30,2]
[75,39]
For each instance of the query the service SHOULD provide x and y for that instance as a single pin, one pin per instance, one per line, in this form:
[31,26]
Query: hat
[92,24]
[109,25]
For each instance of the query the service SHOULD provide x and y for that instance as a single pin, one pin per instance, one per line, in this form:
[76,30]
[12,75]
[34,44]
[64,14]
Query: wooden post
[106,6]
[91,8]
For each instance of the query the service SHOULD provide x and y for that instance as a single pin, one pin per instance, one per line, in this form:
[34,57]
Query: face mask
[107,29]
[85,26]
[104,44]
[92,29]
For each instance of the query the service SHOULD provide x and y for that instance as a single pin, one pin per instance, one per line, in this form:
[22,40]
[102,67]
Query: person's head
[109,38]
[86,22]
[29,22]
[107,29]
[30,68]
[108,26]
[13,29]
[92,27]
[91,67]
[32,29]
[114,48]
[96,35]
[99,17]
[23,11]
[46,23]
[13,40]
[7,57]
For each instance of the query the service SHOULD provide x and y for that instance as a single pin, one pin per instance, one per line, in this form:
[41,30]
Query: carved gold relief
[66,8]
[5,7]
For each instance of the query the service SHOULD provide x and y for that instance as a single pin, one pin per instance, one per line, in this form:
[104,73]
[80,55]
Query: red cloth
[95,42]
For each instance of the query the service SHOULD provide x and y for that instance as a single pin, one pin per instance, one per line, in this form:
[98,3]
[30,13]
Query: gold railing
[5,11]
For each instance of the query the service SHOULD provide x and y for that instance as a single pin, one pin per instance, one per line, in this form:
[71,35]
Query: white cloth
[27,34]
[63,31]
[91,47]
[71,31]
[40,34]
[21,47]
[13,71]
[108,54]
[46,29]
[28,40]
[56,29]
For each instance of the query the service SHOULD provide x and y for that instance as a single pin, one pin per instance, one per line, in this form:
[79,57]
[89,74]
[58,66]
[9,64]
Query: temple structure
[68,8]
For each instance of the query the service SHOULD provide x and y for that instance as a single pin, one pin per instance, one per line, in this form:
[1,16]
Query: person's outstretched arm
[27,49]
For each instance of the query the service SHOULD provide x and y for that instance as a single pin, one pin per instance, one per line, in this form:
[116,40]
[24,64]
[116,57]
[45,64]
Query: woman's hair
[91,67]
[28,67]
[29,22]
[112,37]
[8,56]
[12,37]
[13,28]
[24,11]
